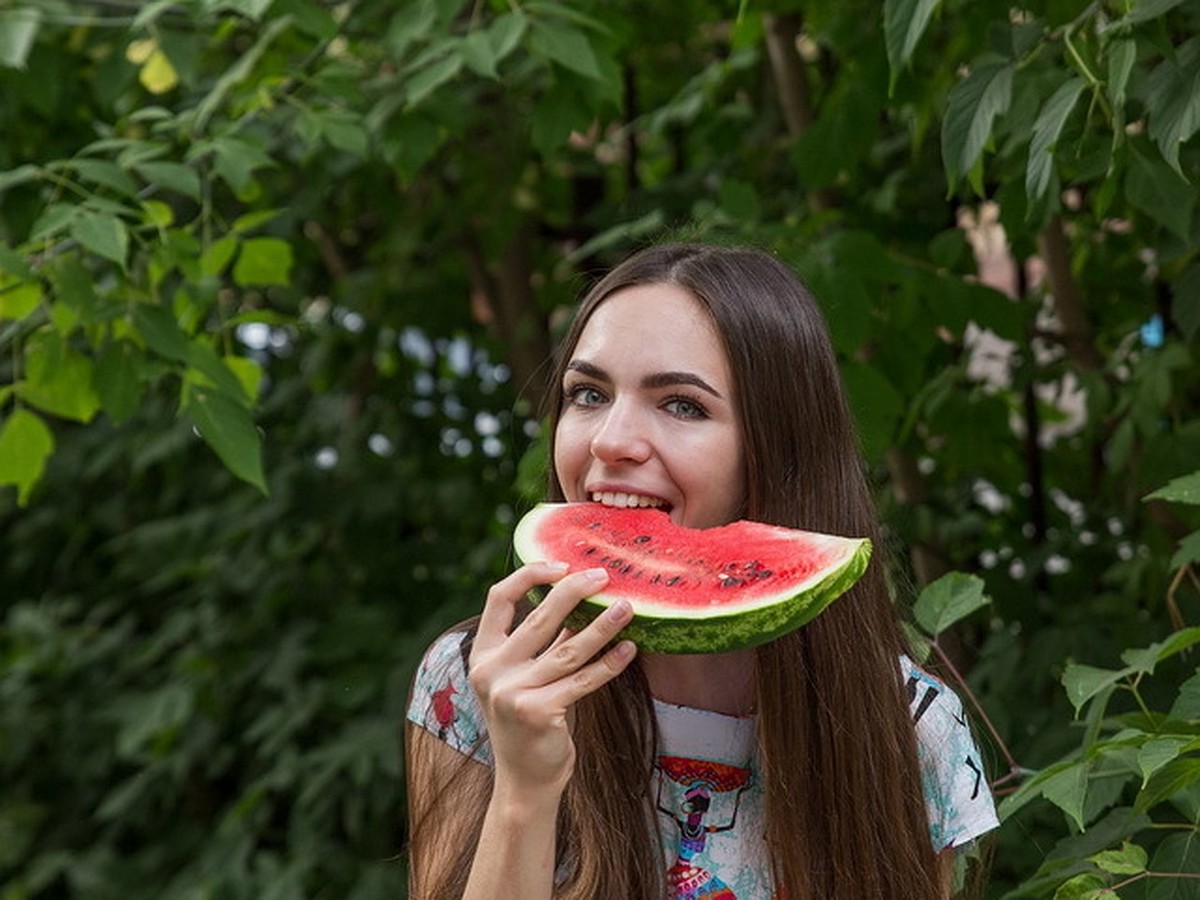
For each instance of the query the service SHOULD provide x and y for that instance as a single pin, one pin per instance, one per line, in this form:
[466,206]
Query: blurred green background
[278,284]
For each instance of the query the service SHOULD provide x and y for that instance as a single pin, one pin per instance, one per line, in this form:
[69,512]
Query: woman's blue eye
[584,395]
[685,408]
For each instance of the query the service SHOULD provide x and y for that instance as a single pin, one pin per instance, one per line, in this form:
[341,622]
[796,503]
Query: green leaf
[1185,301]
[1145,11]
[567,46]
[19,175]
[1068,790]
[19,299]
[1145,660]
[1173,101]
[1187,703]
[18,28]
[1155,754]
[149,13]
[1046,131]
[1122,53]
[1129,860]
[217,255]
[228,428]
[58,379]
[412,23]
[13,263]
[950,599]
[74,287]
[238,72]
[25,445]
[176,177]
[249,374]
[161,332]
[237,160]
[263,261]
[1177,853]
[429,79]
[102,234]
[878,406]
[54,219]
[623,232]
[973,106]
[1188,552]
[255,9]
[847,304]
[904,21]
[505,33]
[1161,193]
[157,213]
[253,220]
[116,379]
[1179,490]
[558,113]
[310,18]
[1082,887]
[345,131]
[204,361]
[106,173]
[1085,682]
[477,53]
[1175,776]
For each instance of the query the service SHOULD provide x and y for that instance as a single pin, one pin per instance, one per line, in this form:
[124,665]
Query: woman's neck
[720,682]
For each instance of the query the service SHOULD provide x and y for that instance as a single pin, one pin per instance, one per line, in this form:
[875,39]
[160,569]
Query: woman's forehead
[652,322]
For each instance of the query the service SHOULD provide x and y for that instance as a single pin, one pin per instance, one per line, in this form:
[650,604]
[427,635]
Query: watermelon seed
[673,580]
[641,539]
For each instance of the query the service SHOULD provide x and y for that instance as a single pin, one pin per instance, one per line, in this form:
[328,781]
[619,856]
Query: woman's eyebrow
[668,379]
[583,367]
[652,382]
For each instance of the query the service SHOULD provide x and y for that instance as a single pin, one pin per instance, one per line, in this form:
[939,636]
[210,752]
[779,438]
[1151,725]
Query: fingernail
[557,566]
[625,649]
[597,574]
[620,610]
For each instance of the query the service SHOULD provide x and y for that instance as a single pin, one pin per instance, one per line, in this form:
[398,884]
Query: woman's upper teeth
[615,498]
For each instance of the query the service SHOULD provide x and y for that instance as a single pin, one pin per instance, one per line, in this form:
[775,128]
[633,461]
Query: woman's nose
[621,436]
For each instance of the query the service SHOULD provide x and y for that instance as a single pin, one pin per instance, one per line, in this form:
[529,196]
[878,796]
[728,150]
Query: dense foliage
[278,279]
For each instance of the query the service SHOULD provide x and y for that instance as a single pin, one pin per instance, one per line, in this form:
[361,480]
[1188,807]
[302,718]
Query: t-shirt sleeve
[442,701]
[957,797]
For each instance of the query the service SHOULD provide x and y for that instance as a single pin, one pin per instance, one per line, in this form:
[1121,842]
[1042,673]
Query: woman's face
[649,415]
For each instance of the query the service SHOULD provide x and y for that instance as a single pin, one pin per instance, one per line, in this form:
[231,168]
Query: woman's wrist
[523,804]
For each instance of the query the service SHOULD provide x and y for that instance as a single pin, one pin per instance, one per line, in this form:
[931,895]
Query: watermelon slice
[694,590]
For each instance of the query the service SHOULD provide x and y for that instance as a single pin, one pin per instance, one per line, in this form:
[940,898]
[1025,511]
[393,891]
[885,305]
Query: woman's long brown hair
[844,807]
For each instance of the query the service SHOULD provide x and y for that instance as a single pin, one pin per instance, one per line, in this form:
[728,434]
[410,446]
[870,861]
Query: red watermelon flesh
[695,590]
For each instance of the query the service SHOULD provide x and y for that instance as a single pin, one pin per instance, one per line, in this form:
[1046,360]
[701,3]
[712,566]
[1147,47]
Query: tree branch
[1077,336]
[791,81]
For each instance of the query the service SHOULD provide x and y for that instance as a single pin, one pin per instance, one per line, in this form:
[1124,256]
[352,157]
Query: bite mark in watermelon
[694,590]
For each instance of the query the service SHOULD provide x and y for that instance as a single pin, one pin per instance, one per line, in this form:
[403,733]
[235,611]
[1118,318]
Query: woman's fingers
[500,608]
[567,690]
[566,656]
[546,619]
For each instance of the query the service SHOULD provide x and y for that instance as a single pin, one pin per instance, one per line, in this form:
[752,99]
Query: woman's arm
[526,678]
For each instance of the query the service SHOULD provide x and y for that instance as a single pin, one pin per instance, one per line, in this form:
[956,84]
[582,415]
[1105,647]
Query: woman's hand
[527,678]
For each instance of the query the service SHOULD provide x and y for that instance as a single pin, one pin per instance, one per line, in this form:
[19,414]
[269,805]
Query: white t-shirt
[708,788]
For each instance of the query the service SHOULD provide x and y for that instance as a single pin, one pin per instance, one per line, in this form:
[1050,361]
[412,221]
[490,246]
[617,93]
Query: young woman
[824,764]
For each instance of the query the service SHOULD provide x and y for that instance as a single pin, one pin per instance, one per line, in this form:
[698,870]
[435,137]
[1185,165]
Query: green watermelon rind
[739,630]
[742,628]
